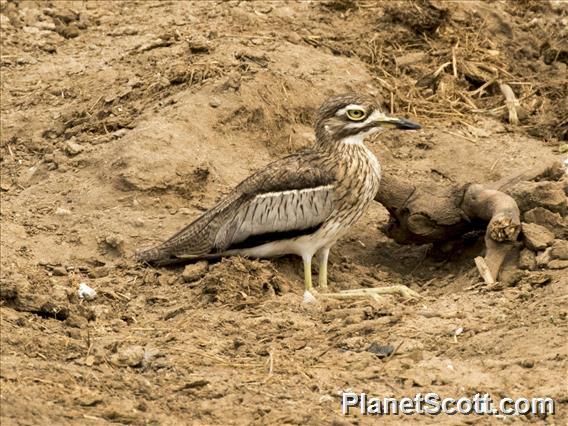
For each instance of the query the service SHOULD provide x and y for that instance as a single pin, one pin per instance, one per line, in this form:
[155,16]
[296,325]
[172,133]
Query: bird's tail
[152,256]
[195,241]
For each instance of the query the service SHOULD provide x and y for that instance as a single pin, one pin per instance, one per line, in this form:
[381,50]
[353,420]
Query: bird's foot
[309,297]
[374,293]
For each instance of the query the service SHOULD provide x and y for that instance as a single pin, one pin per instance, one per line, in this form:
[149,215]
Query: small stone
[49,48]
[4,21]
[134,82]
[74,334]
[527,363]
[559,250]
[163,280]
[198,45]
[67,31]
[558,264]
[25,61]
[130,356]
[128,31]
[382,351]
[45,25]
[536,237]
[293,38]
[73,148]
[552,221]
[138,222]
[62,212]
[264,8]
[214,103]
[195,271]
[86,292]
[543,258]
[59,271]
[527,260]
[119,133]
[114,241]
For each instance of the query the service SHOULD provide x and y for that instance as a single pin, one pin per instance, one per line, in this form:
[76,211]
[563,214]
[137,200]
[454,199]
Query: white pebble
[62,212]
[458,331]
[86,292]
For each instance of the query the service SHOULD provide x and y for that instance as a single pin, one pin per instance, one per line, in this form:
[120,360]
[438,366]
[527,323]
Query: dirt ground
[122,121]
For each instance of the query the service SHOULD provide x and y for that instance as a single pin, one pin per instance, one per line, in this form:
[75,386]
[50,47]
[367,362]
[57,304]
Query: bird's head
[350,117]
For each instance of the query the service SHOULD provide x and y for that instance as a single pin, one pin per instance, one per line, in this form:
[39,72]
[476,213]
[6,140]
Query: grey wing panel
[277,212]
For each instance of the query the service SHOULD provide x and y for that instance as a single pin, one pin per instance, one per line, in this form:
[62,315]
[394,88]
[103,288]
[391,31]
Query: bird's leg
[323,255]
[308,272]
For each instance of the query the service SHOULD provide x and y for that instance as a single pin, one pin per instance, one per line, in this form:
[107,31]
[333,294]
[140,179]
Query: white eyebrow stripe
[376,115]
[342,111]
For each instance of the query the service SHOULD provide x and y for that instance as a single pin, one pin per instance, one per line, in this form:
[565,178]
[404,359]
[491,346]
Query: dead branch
[430,214]
[516,112]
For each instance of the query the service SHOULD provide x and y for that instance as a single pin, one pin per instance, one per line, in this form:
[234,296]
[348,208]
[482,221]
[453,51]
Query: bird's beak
[398,123]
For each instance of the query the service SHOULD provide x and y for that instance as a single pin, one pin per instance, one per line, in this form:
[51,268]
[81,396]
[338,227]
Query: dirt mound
[238,283]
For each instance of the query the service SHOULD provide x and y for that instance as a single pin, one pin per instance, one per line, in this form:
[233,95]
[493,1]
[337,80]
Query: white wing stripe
[277,212]
[294,191]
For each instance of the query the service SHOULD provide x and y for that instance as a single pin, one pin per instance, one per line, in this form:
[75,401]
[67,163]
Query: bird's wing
[291,194]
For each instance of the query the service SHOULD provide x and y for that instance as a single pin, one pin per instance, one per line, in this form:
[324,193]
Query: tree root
[429,214]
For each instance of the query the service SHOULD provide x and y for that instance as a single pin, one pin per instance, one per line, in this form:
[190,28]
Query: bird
[300,204]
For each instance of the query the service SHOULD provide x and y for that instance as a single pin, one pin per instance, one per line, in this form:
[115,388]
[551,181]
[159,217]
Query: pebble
[198,44]
[527,260]
[62,212]
[214,103]
[294,38]
[130,356]
[546,218]
[559,250]
[86,292]
[114,241]
[73,148]
[59,271]
[536,237]
[195,271]
[4,21]
[25,61]
[543,258]
[558,264]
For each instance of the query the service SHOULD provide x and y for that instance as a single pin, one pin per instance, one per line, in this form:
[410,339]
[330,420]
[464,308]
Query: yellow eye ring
[356,114]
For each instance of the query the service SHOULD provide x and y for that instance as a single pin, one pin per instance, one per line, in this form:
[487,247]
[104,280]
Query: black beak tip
[405,124]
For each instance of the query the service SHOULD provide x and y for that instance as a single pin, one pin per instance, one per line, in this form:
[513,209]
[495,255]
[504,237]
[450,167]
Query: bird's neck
[350,148]
[325,142]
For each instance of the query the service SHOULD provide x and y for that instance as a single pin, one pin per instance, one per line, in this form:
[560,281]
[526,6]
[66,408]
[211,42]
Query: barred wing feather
[290,194]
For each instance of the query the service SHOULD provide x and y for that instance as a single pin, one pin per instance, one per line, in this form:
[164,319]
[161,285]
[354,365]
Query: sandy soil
[123,121]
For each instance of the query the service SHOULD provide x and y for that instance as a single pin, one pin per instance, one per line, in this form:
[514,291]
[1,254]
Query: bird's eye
[355,114]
